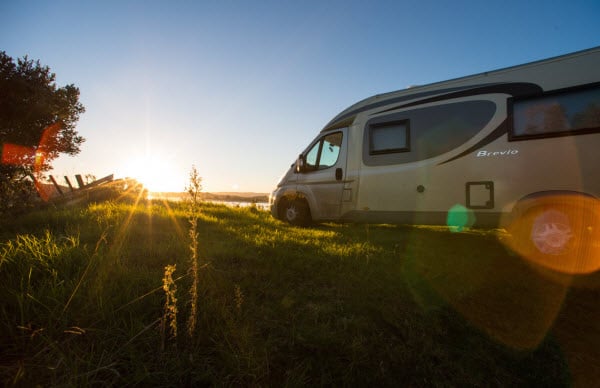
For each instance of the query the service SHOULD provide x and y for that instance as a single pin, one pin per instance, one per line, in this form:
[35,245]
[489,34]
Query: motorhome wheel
[560,233]
[296,212]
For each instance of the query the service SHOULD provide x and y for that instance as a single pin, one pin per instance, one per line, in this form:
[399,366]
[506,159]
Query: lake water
[259,205]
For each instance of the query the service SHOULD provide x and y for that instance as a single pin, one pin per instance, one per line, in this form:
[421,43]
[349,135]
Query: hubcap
[551,232]
[291,213]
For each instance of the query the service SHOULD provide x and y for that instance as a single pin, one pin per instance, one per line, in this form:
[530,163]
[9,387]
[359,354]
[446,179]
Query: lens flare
[34,156]
[493,290]
[560,232]
[16,154]
[459,218]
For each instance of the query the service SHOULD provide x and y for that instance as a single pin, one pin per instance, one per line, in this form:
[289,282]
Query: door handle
[339,174]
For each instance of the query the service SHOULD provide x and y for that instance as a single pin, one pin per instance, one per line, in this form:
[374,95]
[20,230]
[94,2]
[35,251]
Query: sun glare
[154,172]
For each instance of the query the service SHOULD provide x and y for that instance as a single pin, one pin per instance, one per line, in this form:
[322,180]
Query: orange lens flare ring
[15,154]
[561,233]
[21,155]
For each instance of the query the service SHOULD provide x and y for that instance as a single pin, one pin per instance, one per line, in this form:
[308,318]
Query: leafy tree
[37,124]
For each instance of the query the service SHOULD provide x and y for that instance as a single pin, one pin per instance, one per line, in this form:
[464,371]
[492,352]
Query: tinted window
[423,133]
[389,138]
[557,114]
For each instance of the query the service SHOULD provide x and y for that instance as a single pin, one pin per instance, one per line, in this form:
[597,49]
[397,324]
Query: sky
[239,88]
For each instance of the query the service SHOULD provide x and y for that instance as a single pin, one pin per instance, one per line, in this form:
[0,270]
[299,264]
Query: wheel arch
[290,196]
[540,198]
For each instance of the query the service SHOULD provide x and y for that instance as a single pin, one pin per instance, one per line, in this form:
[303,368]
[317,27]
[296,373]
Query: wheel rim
[291,213]
[551,232]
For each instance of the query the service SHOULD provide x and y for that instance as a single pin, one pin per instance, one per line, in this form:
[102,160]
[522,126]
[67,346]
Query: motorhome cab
[517,147]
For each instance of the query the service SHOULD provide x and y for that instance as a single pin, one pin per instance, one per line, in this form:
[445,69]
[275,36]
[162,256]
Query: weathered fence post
[56,185]
[69,183]
[80,181]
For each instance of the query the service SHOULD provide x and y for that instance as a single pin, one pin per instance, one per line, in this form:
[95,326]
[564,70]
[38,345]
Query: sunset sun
[154,171]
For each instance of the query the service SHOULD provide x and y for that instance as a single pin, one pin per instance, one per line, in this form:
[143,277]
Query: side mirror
[300,164]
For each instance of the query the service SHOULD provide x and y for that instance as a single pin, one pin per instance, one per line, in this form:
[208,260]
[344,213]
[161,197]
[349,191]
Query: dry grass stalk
[193,190]
[170,314]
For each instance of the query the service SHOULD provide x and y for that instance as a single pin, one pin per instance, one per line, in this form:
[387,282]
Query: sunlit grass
[83,300]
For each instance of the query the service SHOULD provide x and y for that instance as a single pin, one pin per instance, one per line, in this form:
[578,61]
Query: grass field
[83,304]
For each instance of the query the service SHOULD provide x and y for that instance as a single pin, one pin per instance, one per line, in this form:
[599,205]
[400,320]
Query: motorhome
[517,147]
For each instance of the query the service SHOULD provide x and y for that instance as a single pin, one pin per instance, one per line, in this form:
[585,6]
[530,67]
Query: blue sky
[239,88]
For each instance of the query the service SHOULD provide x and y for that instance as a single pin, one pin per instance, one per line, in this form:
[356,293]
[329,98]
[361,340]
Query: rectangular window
[387,138]
[557,114]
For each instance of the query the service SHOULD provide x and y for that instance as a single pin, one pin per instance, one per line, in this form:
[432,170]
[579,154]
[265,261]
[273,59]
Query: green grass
[342,305]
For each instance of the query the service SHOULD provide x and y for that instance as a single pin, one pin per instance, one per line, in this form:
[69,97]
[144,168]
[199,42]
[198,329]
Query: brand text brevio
[484,153]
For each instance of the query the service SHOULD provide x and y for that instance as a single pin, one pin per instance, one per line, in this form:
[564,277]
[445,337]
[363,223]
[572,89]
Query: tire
[295,212]
[558,236]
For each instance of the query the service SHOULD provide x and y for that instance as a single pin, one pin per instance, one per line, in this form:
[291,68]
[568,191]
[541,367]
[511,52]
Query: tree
[37,124]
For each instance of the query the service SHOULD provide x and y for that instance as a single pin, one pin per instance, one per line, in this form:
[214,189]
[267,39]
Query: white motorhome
[514,147]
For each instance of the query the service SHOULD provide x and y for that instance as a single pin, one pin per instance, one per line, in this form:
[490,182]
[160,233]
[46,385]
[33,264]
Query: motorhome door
[323,174]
